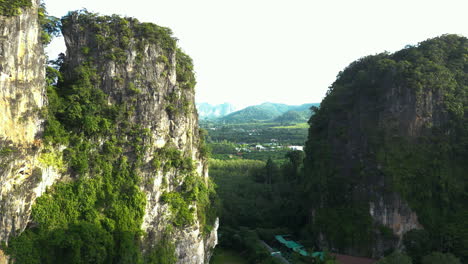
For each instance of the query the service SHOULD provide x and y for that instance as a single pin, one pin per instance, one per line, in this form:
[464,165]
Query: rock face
[23,177]
[22,95]
[147,79]
[144,79]
[22,77]
[381,147]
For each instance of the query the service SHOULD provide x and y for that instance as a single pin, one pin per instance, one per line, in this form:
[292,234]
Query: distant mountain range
[280,113]
[208,111]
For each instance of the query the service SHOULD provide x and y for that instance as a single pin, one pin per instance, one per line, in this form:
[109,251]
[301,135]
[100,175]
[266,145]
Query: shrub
[182,215]
[162,253]
[395,258]
[439,258]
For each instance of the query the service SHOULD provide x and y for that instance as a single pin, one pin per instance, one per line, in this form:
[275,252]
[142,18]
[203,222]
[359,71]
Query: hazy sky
[251,51]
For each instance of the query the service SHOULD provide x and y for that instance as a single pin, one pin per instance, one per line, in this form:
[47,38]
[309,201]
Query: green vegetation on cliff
[50,25]
[184,70]
[394,123]
[95,218]
[97,214]
[13,7]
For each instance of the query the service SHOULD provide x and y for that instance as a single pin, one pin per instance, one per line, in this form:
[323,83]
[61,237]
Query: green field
[298,125]
[223,256]
[254,133]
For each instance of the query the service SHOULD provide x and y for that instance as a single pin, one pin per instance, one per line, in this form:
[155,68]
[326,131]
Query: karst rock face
[22,96]
[137,69]
[385,149]
[145,78]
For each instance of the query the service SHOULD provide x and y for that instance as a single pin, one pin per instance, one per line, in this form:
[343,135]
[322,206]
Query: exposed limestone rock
[397,215]
[21,77]
[22,95]
[3,258]
[162,107]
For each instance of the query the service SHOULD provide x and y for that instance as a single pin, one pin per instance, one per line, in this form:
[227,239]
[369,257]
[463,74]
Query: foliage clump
[396,258]
[178,104]
[182,215]
[50,25]
[438,257]
[115,35]
[162,253]
[169,157]
[184,70]
[13,7]
[195,195]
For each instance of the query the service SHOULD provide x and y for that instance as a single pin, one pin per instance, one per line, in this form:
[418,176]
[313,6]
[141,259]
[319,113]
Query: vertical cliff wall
[385,150]
[24,176]
[22,95]
[139,67]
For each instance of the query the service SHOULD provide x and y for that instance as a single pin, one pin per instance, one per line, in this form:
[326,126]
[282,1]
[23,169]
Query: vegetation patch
[222,256]
[196,193]
[13,7]
[163,252]
[50,157]
[101,211]
[184,70]
[177,104]
[50,25]
[182,215]
[6,151]
[169,157]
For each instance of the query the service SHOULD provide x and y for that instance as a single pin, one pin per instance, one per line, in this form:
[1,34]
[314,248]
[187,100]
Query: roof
[342,259]
[292,245]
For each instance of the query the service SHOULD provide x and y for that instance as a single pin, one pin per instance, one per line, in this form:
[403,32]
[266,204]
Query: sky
[247,52]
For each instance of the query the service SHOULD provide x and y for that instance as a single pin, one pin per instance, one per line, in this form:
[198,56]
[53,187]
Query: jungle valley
[104,157]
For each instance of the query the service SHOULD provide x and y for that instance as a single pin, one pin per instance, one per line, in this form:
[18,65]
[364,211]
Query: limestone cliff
[148,76]
[385,149]
[22,95]
[120,130]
